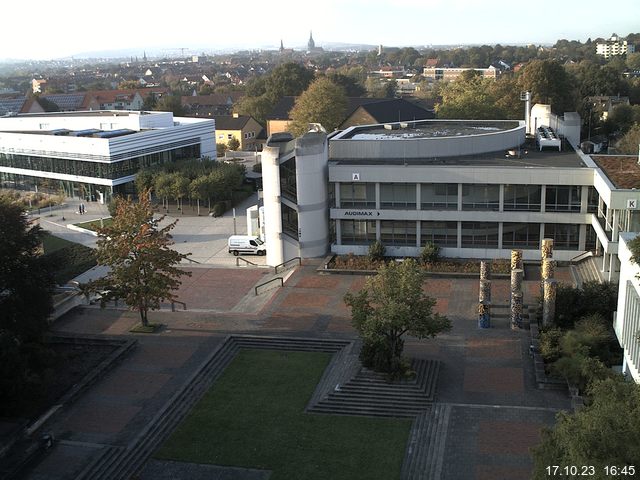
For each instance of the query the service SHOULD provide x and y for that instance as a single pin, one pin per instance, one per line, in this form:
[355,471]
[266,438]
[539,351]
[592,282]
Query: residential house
[243,128]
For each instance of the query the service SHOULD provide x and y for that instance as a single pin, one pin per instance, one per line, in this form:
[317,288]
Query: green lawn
[254,417]
[94,225]
[69,259]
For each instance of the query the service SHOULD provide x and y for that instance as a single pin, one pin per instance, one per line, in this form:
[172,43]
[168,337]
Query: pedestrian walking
[82,209]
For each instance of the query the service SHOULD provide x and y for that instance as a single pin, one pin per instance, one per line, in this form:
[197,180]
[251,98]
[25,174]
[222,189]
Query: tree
[549,83]
[470,99]
[142,267]
[170,103]
[606,432]
[628,144]
[393,304]
[26,279]
[323,102]
[26,288]
[233,144]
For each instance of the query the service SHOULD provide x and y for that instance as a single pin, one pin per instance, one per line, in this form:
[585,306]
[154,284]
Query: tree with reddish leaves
[144,269]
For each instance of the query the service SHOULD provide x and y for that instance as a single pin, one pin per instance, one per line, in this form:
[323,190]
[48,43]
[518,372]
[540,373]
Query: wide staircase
[586,269]
[372,394]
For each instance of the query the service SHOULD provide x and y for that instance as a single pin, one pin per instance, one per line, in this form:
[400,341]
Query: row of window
[444,196]
[445,234]
[111,170]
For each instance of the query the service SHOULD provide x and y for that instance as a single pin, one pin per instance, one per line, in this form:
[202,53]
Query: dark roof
[11,105]
[396,110]
[229,122]
[213,99]
[282,109]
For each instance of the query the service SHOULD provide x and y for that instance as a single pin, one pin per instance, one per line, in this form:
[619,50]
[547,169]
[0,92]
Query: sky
[46,30]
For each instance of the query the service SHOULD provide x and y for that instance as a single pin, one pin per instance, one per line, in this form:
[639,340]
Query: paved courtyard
[486,379]
[486,376]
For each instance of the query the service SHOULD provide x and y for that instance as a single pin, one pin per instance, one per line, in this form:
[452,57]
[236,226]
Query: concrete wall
[313,197]
[627,316]
[428,147]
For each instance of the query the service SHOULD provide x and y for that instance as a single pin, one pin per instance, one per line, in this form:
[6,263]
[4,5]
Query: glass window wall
[399,196]
[560,198]
[357,195]
[439,196]
[521,235]
[523,198]
[289,221]
[398,233]
[565,235]
[443,234]
[480,197]
[358,232]
[288,182]
[479,235]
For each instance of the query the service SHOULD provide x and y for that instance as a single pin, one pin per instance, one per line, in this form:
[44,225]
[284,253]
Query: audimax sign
[361,213]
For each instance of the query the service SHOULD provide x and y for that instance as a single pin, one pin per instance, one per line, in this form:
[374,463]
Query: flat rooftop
[525,157]
[623,171]
[427,129]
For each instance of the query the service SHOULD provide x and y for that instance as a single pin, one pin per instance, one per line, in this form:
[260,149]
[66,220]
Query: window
[399,196]
[521,235]
[479,235]
[289,221]
[439,196]
[565,235]
[593,200]
[481,197]
[563,198]
[398,232]
[443,234]
[288,182]
[358,232]
[229,136]
[524,198]
[357,195]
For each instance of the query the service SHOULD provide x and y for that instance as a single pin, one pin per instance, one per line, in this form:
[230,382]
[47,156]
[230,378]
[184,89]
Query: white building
[627,317]
[614,46]
[98,153]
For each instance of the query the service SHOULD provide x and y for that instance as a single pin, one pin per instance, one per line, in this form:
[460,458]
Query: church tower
[311,44]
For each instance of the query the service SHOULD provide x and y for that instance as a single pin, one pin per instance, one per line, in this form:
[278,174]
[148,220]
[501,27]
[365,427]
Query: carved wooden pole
[485,270]
[516,259]
[549,302]
[516,310]
[517,275]
[484,315]
[547,248]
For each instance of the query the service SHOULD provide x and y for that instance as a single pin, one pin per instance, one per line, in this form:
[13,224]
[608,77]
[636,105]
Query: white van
[246,244]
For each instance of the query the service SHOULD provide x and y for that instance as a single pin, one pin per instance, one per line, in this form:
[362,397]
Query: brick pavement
[486,375]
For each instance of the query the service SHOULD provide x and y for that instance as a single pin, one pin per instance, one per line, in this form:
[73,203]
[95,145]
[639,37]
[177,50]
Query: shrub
[377,251]
[550,344]
[430,253]
[218,209]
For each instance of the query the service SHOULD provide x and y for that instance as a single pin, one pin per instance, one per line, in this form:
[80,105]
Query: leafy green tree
[628,144]
[26,280]
[26,288]
[470,99]
[392,304]
[144,180]
[256,107]
[163,185]
[170,103]
[549,83]
[633,61]
[323,102]
[288,79]
[605,432]
[233,144]
[179,187]
[143,269]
